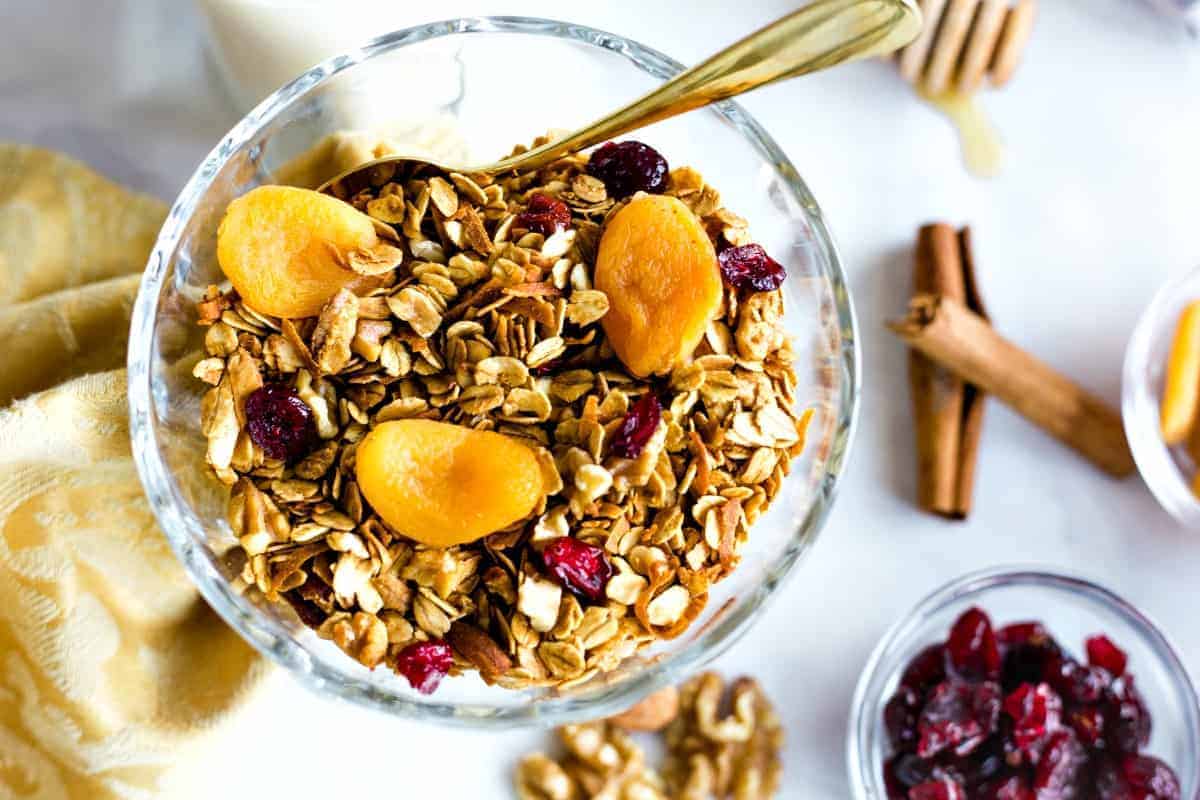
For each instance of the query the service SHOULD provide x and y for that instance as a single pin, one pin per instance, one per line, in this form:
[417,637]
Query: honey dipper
[965,41]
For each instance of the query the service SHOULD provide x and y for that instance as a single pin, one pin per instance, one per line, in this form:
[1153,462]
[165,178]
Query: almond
[653,713]
[477,647]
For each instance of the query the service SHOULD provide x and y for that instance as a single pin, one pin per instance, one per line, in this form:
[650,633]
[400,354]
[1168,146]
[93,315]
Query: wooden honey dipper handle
[965,41]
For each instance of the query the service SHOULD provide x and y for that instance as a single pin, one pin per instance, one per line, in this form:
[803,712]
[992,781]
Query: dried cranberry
[1101,652]
[1061,769]
[1036,712]
[895,789]
[544,214]
[316,591]
[628,167]
[926,670]
[1075,682]
[582,568]
[548,368]
[308,612]
[900,718]
[972,648]
[638,426]
[910,769]
[425,664]
[280,422]
[1088,724]
[985,763]
[750,269]
[1013,787]
[1025,648]
[944,789]
[1150,778]
[1109,781]
[1025,634]
[1135,778]
[958,716]
[1128,719]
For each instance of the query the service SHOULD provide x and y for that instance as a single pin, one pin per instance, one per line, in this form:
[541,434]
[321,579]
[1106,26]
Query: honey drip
[982,150]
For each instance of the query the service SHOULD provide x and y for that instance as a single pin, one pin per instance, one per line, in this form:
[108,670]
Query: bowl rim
[183,530]
[864,778]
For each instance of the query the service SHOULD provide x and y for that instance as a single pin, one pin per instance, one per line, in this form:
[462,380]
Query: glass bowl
[1166,470]
[1072,609]
[497,81]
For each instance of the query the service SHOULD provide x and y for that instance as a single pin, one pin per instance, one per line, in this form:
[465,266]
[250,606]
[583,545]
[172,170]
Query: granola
[472,309]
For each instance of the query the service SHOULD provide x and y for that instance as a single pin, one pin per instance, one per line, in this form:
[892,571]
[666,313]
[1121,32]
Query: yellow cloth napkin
[111,666]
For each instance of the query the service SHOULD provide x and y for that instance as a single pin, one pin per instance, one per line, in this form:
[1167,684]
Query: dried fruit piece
[1181,389]
[944,789]
[750,269]
[443,484]
[288,250]
[1103,653]
[544,214]
[582,568]
[425,664]
[1150,779]
[1024,634]
[958,716]
[657,266]
[1088,724]
[1061,769]
[1128,720]
[1026,648]
[900,718]
[892,785]
[1075,682]
[1036,712]
[637,427]
[279,422]
[926,670]
[628,167]
[910,770]
[971,646]
[1014,787]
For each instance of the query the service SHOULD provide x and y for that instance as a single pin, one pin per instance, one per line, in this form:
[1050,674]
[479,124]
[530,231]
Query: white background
[1098,204]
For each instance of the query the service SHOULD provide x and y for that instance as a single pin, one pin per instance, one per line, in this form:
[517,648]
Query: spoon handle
[820,35]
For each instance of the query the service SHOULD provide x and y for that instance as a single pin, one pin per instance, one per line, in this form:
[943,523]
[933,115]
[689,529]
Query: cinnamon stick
[963,342]
[973,397]
[947,411]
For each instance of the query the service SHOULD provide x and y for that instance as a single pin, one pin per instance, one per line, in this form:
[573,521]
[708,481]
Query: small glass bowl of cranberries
[459,80]
[1015,684]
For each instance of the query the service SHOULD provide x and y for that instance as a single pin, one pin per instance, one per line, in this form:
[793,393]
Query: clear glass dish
[484,76]
[1166,470]
[1072,609]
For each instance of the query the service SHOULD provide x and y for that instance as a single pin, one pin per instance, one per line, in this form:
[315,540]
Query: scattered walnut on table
[711,753]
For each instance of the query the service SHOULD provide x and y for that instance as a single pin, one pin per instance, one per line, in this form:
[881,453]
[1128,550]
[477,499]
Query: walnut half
[735,756]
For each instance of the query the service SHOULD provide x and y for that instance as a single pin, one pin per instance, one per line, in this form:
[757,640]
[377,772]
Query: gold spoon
[822,34]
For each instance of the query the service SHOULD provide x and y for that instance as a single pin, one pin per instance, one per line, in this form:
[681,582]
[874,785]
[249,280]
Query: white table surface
[1098,204]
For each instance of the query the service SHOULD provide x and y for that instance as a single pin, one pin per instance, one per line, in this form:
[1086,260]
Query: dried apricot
[659,270]
[1181,392]
[288,250]
[443,484]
